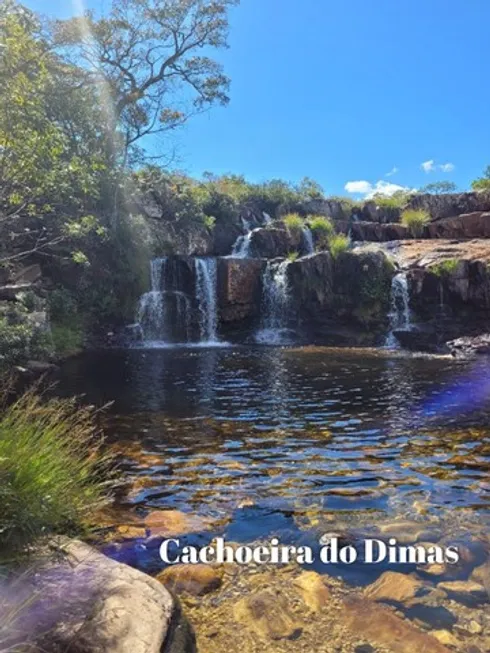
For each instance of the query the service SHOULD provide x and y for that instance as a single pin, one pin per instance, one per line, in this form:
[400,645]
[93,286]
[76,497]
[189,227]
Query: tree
[44,174]
[483,183]
[148,59]
[439,187]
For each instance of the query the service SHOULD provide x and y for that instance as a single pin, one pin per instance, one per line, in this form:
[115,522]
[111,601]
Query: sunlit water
[291,440]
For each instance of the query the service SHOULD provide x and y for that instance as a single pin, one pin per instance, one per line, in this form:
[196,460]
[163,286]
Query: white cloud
[428,166]
[392,172]
[368,190]
[431,166]
[447,167]
[361,187]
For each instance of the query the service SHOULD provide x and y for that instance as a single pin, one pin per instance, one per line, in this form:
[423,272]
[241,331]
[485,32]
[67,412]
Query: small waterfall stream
[308,240]
[400,314]
[152,314]
[168,315]
[241,249]
[275,304]
[206,296]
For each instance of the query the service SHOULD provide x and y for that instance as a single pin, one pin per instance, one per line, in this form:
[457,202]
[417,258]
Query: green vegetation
[439,188]
[483,183]
[293,222]
[53,475]
[322,229]
[396,201]
[415,220]
[445,268]
[338,243]
[293,256]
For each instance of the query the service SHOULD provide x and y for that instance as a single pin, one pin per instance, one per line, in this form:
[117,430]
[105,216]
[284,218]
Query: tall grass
[338,244]
[293,222]
[53,473]
[415,221]
[322,229]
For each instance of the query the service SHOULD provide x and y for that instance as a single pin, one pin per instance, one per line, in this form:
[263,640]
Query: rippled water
[312,433]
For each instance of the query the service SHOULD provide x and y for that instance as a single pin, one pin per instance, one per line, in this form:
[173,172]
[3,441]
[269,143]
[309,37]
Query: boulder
[239,287]
[88,603]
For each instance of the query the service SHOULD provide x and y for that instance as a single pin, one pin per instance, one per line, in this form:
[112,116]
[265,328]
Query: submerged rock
[392,586]
[384,628]
[268,615]
[313,590]
[193,579]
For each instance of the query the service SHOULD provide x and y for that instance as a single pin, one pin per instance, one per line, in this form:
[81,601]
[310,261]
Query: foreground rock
[468,346]
[90,604]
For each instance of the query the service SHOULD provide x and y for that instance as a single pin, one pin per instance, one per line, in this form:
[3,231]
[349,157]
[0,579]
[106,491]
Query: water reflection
[319,434]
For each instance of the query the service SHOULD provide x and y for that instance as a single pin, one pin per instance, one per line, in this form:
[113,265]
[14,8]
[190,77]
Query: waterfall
[275,304]
[152,311]
[206,297]
[308,240]
[400,314]
[241,249]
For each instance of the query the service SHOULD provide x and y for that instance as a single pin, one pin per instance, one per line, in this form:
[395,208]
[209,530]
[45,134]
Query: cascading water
[152,313]
[400,314]
[308,240]
[275,304]
[206,297]
[241,249]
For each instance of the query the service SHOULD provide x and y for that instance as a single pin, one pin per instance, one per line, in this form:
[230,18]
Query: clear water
[261,439]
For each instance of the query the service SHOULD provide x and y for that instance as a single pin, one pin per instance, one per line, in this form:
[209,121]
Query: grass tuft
[338,244]
[53,474]
[415,221]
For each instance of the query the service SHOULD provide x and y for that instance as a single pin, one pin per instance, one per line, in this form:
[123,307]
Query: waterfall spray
[206,297]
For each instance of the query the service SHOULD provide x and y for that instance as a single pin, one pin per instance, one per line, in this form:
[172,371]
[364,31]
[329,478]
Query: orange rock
[383,627]
[193,579]
[313,590]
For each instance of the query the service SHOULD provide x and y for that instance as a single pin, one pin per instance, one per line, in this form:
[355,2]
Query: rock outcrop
[271,243]
[378,232]
[353,288]
[448,205]
[466,225]
[239,288]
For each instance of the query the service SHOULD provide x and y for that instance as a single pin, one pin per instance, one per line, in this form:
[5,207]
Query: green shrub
[293,256]
[293,222]
[445,268]
[14,342]
[415,220]
[396,201]
[322,229]
[338,244]
[53,476]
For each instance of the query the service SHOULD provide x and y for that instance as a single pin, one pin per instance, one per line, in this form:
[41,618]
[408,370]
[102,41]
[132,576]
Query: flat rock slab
[87,603]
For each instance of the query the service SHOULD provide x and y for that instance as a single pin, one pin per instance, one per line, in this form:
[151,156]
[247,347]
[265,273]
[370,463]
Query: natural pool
[298,442]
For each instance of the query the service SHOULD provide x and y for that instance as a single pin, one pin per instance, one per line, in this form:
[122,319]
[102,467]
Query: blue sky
[347,91]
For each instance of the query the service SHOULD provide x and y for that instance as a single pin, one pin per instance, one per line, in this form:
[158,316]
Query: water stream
[206,296]
[275,304]
[400,313]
